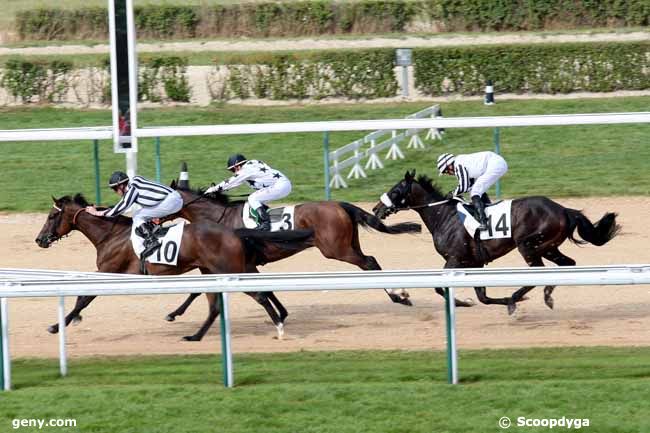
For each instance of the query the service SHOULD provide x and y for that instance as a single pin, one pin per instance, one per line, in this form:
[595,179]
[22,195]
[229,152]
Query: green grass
[337,392]
[602,160]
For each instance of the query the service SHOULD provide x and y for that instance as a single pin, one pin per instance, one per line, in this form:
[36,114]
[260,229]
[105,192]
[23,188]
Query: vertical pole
[497,149]
[98,191]
[158,175]
[452,356]
[63,362]
[326,161]
[226,351]
[405,81]
[2,352]
[4,340]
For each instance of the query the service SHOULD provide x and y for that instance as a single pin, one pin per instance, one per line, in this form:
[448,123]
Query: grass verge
[599,160]
[337,392]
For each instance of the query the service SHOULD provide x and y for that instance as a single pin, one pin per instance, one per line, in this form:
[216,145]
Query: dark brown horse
[539,227]
[210,248]
[335,225]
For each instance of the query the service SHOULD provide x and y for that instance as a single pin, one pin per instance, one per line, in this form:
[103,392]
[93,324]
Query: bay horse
[335,226]
[539,227]
[210,248]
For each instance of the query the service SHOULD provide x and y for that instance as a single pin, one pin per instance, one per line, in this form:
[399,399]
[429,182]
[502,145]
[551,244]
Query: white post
[226,350]
[452,354]
[357,171]
[6,357]
[63,362]
[394,151]
[374,162]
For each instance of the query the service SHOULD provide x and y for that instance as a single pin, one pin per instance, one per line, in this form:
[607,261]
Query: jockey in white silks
[270,184]
[476,173]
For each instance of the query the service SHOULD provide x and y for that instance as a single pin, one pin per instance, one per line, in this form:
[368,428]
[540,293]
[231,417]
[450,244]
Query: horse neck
[432,216]
[209,211]
[96,229]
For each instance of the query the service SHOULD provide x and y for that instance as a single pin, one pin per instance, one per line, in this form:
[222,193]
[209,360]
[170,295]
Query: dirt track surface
[583,316]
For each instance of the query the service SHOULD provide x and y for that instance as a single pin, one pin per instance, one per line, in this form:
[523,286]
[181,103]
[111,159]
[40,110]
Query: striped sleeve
[463,179]
[126,202]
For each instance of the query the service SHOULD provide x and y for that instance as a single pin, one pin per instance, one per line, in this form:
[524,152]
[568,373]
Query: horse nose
[41,242]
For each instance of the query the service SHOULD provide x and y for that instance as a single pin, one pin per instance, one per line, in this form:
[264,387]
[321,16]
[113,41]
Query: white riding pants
[171,204]
[279,190]
[496,167]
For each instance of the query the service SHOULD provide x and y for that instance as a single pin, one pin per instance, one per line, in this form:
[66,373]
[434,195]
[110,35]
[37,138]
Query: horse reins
[76,214]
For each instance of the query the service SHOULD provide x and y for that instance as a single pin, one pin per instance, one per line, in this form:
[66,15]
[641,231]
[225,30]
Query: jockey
[270,184]
[476,173]
[156,201]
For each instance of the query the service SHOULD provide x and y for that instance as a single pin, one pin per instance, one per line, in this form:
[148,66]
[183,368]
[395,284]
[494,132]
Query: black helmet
[235,160]
[117,178]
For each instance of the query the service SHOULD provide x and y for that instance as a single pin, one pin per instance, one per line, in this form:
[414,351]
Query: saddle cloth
[498,218]
[170,247]
[281,218]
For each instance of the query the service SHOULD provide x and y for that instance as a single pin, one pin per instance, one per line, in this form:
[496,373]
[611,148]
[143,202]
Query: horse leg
[485,299]
[278,305]
[399,296]
[518,296]
[213,311]
[559,259]
[181,310]
[263,300]
[82,302]
[450,264]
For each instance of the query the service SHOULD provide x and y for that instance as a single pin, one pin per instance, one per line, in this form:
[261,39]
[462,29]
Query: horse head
[60,220]
[397,198]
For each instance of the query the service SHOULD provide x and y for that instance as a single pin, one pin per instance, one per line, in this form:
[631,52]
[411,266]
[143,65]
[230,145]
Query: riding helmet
[117,178]
[444,160]
[235,160]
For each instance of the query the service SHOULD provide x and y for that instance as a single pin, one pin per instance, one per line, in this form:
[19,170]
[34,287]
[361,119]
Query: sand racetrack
[596,315]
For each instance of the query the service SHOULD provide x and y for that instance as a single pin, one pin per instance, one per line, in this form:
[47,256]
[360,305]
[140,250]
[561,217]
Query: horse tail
[366,219]
[597,234]
[263,247]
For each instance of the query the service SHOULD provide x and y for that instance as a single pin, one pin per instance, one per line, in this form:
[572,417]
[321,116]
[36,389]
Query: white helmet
[444,160]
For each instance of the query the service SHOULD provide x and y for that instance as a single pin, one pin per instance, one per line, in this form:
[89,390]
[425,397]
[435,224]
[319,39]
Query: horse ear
[413,174]
[55,200]
[407,175]
[173,184]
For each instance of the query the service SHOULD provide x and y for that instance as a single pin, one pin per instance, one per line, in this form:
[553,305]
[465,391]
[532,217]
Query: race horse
[539,226]
[335,226]
[211,248]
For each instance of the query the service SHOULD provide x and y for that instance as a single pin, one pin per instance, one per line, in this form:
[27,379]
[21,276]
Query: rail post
[496,136]
[452,355]
[326,161]
[98,191]
[63,361]
[226,351]
[4,345]
[158,170]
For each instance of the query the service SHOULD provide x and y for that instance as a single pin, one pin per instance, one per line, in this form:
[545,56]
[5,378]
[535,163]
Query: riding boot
[485,199]
[264,221]
[480,208]
[148,231]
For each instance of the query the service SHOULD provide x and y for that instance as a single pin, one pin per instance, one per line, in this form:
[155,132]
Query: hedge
[557,68]
[320,17]
[347,74]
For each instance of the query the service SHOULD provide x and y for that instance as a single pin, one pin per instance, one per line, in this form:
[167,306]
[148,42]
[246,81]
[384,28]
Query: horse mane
[80,200]
[427,184]
[215,197]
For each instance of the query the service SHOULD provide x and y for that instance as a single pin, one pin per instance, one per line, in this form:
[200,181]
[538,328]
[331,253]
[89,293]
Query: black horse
[539,227]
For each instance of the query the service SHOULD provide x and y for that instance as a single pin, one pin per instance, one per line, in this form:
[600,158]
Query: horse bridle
[392,208]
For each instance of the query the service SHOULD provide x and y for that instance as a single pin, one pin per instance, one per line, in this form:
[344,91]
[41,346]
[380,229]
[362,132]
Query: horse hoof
[549,302]
[54,329]
[191,338]
[77,320]
[170,318]
[405,301]
[470,302]
[511,308]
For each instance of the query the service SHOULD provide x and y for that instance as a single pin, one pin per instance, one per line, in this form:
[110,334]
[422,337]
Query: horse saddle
[282,218]
[499,219]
